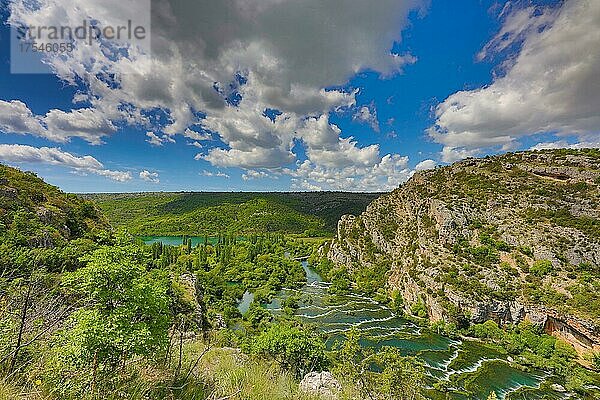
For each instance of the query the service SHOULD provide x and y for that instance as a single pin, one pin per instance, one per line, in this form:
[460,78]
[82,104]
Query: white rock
[321,383]
[558,388]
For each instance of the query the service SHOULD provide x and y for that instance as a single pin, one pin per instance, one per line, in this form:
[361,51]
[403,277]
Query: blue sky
[461,84]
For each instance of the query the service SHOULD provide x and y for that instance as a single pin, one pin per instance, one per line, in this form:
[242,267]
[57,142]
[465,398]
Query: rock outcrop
[322,384]
[506,238]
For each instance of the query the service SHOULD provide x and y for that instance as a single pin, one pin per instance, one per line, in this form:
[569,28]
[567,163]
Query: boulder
[322,384]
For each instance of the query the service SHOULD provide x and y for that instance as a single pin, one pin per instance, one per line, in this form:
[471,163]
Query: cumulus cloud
[190,134]
[367,115]
[425,164]
[58,126]
[148,176]
[386,174]
[252,174]
[156,140]
[220,66]
[87,123]
[551,85]
[16,153]
[16,117]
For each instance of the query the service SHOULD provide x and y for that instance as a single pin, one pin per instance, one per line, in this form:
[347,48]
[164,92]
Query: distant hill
[37,214]
[209,213]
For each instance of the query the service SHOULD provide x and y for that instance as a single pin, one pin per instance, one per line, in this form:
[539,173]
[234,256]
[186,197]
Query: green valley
[471,281]
[207,214]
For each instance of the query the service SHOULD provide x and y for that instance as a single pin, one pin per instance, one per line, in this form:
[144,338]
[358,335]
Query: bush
[419,309]
[541,268]
[294,349]
[257,316]
[487,330]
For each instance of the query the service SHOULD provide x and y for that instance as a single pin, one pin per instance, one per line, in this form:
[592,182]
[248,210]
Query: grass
[9,392]
[222,373]
[231,373]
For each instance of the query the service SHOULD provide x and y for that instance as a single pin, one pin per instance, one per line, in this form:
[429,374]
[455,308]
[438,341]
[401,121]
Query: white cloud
[16,117]
[217,174]
[149,176]
[190,134]
[17,153]
[368,115]
[387,173]
[252,174]
[155,140]
[87,123]
[267,54]
[551,85]
[425,164]
[325,147]
[563,144]
[58,126]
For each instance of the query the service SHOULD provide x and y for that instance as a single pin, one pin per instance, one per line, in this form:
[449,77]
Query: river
[460,365]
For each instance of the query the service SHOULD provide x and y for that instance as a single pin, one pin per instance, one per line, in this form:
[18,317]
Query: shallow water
[177,240]
[468,369]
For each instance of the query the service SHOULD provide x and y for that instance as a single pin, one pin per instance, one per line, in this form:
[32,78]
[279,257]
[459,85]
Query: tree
[401,377]
[126,312]
[257,316]
[294,349]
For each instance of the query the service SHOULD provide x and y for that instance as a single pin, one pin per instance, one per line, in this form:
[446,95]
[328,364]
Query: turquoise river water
[461,366]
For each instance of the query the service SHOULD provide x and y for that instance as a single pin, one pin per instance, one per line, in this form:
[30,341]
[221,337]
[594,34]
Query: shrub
[541,268]
[294,349]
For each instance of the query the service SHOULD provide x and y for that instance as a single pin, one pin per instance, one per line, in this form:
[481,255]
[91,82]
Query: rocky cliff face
[506,238]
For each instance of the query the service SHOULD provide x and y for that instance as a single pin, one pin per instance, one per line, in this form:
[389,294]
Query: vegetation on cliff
[470,238]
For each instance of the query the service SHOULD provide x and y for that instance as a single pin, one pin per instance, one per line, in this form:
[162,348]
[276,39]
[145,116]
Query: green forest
[201,214]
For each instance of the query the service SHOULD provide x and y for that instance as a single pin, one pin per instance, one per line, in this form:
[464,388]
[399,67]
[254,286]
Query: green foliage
[35,214]
[294,349]
[400,377]
[126,310]
[419,309]
[487,330]
[384,375]
[541,268]
[397,303]
[175,214]
[340,281]
[526,250]
[563,217]
[534,346]
[484,255]
[257,317]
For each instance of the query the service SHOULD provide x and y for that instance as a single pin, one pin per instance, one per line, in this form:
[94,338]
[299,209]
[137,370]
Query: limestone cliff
[507,238]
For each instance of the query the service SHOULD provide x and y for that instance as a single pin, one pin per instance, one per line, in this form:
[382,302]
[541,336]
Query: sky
[288,95]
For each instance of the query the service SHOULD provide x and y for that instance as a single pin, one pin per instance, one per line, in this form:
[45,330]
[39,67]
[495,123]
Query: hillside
[505,238]
[40,215]
[211,213]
